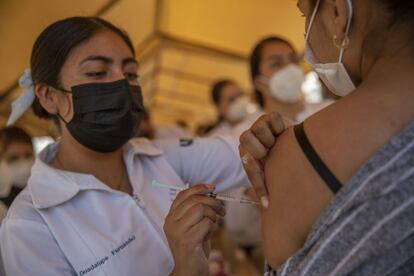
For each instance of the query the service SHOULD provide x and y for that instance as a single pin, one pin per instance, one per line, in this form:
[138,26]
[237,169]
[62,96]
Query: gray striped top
[368,228]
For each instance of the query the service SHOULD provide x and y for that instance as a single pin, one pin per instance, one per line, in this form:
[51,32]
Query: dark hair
[399,10]
[216,90]
[256,59]
[54,45]
[9,135]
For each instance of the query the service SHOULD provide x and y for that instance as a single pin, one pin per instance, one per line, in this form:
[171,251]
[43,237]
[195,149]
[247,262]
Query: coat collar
[50,187]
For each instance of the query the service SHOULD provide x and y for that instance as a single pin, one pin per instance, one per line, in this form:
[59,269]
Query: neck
[290,110]
[391,74]
[107,167]
[386,92]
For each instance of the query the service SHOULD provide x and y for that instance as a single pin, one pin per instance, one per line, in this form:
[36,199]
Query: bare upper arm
[297,196]
[345,135]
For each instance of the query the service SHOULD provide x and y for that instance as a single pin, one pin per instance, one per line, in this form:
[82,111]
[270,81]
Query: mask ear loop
[58,114]
[345,42]
[312,19]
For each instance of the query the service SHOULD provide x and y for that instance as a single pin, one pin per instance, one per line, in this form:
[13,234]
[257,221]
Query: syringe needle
[218,196]
[234,199]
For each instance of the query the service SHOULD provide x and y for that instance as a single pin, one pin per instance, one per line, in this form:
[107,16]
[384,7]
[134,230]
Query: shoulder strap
[324,172]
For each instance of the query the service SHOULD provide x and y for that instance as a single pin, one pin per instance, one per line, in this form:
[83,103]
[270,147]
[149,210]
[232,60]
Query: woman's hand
[191,220]
[254,146]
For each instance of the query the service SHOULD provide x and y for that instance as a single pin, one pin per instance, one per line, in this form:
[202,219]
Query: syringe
[221,196]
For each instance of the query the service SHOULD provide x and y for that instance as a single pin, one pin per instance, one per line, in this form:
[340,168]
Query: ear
[47,98]
[341,19]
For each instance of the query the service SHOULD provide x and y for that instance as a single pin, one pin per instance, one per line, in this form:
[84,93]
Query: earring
[343,45]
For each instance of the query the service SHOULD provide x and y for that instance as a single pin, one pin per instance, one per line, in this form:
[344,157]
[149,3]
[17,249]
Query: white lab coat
[223,128]
[67,223]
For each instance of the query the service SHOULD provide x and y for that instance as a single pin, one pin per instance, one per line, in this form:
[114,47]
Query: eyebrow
[97,58]
[129,60]
[108,60]
[275,57]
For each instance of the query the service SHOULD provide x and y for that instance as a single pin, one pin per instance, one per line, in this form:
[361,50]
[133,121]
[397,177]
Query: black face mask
[106,115]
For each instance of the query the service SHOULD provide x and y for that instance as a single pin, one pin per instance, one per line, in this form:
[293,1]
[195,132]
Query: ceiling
[183,47]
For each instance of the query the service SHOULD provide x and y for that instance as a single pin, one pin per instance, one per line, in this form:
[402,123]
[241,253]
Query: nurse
[89,207]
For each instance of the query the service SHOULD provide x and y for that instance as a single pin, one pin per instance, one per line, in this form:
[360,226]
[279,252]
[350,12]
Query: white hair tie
[22,103]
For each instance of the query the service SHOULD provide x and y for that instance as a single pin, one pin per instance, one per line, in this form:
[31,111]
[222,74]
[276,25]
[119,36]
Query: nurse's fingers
[201,231]
[196,214]
[193,200]
[199,189]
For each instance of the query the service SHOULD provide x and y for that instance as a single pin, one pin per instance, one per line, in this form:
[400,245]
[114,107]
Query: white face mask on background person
[5,179]
[20,172]
[240,108]
[333,75]
[286,84]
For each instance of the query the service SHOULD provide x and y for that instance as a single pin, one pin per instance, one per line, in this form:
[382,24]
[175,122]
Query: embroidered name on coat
[122,246]
[106,258]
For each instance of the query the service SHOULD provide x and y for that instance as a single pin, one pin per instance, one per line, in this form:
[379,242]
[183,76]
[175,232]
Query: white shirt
[246,123]
[168,132]
[66,223]
[3,210]
[224,128]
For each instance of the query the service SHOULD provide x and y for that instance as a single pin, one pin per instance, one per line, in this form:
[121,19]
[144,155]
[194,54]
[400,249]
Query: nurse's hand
[254,146]
[192,218]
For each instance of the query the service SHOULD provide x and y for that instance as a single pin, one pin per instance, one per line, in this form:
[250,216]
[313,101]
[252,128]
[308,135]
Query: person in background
[231,106]
[16,160]
[242,224]
[277,78]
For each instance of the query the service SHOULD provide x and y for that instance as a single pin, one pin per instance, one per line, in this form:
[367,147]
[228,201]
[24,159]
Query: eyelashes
[102,74]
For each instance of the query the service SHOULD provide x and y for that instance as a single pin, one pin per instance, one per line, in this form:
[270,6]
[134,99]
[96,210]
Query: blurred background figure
[278,79]
[16,160]
[231,104]
[242,222]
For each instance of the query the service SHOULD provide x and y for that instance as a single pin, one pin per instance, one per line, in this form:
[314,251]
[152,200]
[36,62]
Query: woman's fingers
[277,123]
[250,193]
[215,204]
[196,214]
[253,145]
[263,133]
[187,235]
[199,189]
[255,173]
[201,230]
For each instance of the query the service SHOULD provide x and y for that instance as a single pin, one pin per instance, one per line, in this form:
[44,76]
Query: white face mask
[240,108]
[5,179]
[20,172]
[286,85]
[333,75]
